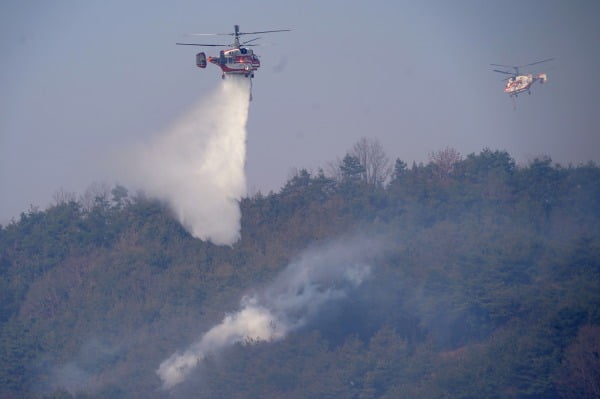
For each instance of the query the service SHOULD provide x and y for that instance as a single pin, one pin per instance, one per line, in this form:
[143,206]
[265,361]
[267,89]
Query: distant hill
[487,285]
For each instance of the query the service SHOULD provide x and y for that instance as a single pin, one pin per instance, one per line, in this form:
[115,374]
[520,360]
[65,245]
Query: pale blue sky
[81,80]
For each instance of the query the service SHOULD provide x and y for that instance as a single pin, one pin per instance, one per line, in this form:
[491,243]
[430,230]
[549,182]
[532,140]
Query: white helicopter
[518,83]
[237,59]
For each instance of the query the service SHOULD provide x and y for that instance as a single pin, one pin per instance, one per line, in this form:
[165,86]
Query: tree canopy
[486,284]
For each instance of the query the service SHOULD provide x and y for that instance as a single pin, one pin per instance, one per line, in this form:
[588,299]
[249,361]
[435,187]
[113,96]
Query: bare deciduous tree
[444,161]
[95,190]
[62,196]
[333,170]
[372,157]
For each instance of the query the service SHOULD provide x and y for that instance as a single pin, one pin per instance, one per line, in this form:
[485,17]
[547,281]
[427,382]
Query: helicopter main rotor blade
[504,72]
[239,33]
[264,31]
[203,45]
[505,66]
[539,62]
[251,40]
[210,34]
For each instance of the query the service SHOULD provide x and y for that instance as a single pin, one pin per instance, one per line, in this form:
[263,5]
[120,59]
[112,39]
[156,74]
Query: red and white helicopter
[237,59]
[518,83]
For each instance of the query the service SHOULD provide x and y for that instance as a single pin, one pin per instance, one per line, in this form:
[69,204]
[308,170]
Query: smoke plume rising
[318,276]
[84,372]
[198,164]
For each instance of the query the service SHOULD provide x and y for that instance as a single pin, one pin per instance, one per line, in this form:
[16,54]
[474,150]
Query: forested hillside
[487,285]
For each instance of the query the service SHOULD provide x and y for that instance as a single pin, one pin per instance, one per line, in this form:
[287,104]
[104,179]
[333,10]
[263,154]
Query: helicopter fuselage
[236,61]
[521,83]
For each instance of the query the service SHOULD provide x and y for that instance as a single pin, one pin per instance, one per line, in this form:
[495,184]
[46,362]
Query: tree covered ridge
[489,286]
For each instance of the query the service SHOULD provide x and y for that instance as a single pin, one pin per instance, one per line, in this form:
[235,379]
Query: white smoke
[198,164]
[82,374]
[320,275]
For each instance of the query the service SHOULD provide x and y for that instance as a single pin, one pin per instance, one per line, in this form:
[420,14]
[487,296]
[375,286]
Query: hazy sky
[81,81]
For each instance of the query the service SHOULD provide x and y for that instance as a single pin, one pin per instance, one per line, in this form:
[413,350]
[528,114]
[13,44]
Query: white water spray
[297,294]
[198,164]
